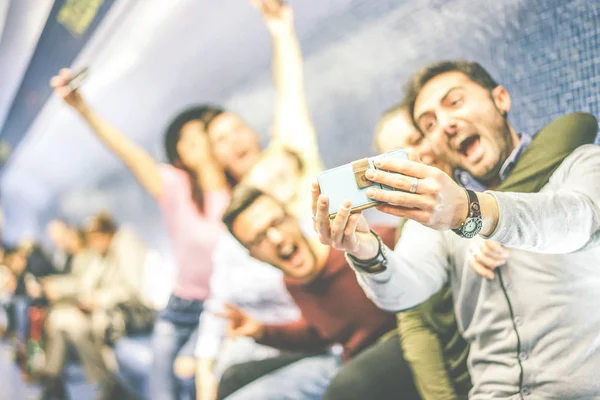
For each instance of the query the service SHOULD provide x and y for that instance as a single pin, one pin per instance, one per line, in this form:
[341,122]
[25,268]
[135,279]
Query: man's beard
[505,146]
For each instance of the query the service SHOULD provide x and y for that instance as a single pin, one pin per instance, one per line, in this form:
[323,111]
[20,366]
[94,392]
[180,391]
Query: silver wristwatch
[376,264]
[473,223]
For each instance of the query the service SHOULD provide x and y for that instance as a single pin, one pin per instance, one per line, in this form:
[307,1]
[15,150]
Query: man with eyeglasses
[334,309]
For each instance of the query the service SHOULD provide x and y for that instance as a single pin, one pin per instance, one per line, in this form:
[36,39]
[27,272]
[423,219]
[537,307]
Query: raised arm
[136,158]
[564,217]
[292,127]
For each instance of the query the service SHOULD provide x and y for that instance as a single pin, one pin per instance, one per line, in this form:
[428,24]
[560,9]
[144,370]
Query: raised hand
[277,14]
[240,323]
[487,255]
[71,97]
[427,194]
[347,231]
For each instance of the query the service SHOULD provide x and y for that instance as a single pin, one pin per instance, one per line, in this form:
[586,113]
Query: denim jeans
[20,306]
[174,335]
[306,379]
[10,378]
[3,318]
[134,357]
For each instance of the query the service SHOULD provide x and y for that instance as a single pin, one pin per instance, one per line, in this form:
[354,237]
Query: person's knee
[231,380]
[348,384]
[65,320]
[163,339]
[231,375]
[184,367]
[54,321]
[163,331]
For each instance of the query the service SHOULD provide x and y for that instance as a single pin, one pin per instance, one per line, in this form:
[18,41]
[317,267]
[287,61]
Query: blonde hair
[390,113]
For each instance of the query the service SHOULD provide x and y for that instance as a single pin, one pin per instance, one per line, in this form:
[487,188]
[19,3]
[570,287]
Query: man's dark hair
[472,69]
[242,197]
[10,251]
[101,223]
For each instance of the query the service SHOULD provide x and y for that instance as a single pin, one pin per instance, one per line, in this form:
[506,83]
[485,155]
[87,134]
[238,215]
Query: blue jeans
[306,379]
[175,335]
[20,307]
[3,318]
[134,357]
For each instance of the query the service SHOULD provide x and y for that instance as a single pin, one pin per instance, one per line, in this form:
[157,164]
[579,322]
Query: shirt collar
[467,181]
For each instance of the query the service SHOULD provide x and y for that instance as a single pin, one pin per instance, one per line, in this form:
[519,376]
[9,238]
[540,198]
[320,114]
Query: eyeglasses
[261,237]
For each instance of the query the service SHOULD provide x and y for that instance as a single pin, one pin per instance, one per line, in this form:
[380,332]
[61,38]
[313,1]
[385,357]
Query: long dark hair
[205,113]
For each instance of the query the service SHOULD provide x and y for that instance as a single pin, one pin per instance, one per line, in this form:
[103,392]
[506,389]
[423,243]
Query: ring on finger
[414,185]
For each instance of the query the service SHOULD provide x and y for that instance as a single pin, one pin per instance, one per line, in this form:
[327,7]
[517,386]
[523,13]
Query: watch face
[472,227]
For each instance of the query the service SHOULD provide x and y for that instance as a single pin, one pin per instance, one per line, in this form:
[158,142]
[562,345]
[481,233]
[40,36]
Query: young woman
[192,193]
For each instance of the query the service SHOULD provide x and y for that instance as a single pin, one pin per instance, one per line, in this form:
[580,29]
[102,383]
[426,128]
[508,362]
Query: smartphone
[77,79]
[348,182]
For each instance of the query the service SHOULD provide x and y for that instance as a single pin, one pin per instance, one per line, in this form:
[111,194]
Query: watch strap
[474,211]
[375,264]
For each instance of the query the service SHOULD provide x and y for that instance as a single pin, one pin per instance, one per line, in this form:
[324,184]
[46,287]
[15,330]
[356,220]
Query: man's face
[17,262]
[59,234]
[273,236]
[98,242]
[465,122]
[398,132]
[234,143]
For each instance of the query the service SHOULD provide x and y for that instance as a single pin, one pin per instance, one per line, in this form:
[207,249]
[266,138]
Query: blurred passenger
[8,284]
[285,170]
[16,261]
[68,241]
[104,280]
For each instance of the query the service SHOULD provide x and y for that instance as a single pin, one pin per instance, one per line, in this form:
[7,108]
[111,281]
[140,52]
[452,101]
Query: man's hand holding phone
[405,187]
[414,190]
[424,194]
[347,231]
[427,195]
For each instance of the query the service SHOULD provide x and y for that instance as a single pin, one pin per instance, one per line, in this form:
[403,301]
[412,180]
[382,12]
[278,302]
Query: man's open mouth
[468,144]
[470,147]
[288,251]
